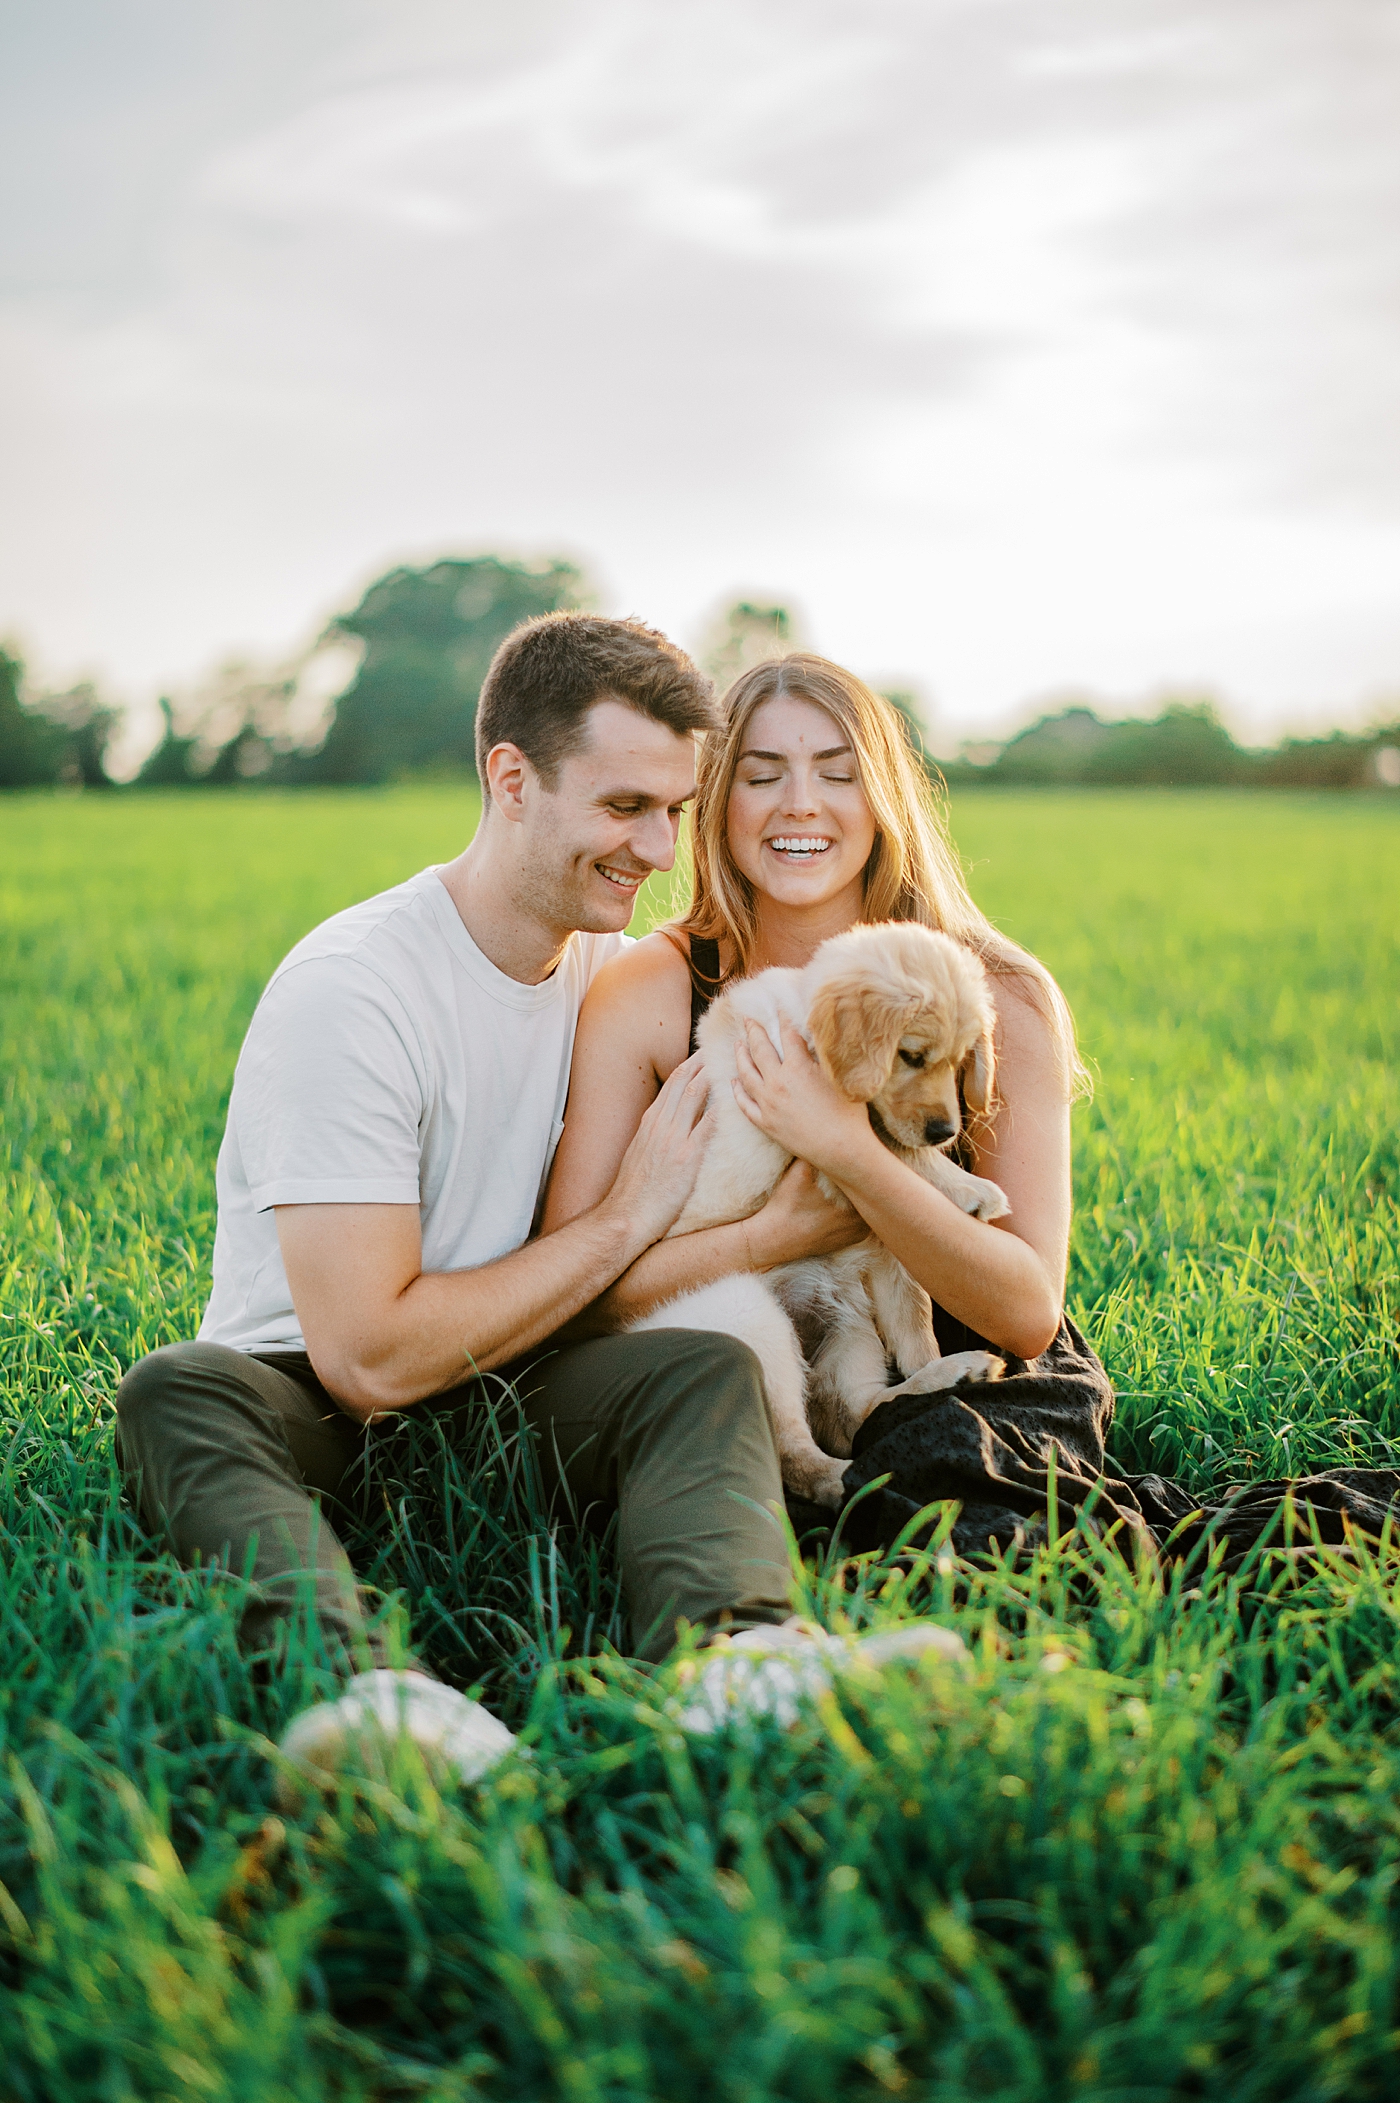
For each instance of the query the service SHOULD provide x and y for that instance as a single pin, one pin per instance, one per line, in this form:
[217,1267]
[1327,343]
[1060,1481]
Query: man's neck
[480,885]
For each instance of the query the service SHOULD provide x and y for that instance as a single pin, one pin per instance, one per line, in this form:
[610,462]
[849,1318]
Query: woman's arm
[796,1221]
[1004,1280]
[633,1031]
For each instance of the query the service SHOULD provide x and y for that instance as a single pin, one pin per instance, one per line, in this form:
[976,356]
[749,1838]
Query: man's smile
[623,879]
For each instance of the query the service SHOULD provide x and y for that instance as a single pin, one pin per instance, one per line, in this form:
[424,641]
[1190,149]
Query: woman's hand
[792,1100]
[800,1220]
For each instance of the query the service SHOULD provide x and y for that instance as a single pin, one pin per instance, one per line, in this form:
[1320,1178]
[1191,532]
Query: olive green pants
[228,1455]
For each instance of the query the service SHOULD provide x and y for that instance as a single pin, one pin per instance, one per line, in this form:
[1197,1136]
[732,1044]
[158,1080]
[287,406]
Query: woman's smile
[800,846]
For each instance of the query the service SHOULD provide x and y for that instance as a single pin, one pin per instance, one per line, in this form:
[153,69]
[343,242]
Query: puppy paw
[942,1373]
[976,1365]
[983,1199]
[820,1481]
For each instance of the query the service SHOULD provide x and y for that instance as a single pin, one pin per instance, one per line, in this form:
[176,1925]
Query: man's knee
[727,1363]
[148,1388]
[164,1388]
[706,1378]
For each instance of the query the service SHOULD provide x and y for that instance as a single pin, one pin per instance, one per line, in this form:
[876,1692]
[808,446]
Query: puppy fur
[895,1015]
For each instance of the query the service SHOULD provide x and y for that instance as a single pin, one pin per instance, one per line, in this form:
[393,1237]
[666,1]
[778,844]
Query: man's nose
[653,840]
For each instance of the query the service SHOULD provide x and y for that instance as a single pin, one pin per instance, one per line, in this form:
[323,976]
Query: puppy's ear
[856,1027]
[980,1074]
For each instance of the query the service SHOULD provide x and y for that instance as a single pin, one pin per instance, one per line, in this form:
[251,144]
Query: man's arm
[383,1334]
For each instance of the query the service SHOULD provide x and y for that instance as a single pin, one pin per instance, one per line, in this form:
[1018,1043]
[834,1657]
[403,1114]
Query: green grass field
[1146,1846]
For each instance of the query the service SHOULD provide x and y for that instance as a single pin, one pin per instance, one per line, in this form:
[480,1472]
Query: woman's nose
[801,796]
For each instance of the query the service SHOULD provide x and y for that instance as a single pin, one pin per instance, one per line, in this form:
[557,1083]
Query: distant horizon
[142,723]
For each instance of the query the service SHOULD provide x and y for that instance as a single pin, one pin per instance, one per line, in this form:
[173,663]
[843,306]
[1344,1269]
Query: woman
[812,814]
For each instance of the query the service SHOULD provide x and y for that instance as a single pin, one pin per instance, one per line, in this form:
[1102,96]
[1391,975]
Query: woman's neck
[791,935]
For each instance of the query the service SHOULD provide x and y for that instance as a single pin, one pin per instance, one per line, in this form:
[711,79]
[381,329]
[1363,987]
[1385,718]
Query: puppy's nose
[936,1130]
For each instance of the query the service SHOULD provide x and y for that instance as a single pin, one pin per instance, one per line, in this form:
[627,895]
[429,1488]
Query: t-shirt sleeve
[600,950]
[330,1093]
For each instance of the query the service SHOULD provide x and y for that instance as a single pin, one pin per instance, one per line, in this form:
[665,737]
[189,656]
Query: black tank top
[704,978]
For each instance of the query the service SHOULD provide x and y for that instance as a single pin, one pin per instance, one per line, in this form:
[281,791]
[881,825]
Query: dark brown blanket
[990,1447]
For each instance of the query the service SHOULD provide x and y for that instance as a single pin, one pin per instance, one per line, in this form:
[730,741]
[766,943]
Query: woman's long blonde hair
[913,872]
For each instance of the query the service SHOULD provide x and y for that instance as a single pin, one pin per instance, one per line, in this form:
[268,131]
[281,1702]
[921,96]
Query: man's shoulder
[372,959]
[370,930]
[405,934]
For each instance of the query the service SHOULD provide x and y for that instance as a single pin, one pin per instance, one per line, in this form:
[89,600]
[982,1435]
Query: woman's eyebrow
[835,752]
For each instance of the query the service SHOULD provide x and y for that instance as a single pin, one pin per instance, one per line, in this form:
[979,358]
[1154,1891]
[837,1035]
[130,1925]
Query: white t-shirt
[389,1062]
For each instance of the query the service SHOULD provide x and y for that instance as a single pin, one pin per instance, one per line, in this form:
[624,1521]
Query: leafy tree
[1187,746]
[187,761]
[744,635]
[428,638]
[1055,749]
[30,748]
[56,738]
[906,706]
[1335,762]
[246,756]
[86,724]
[245,727]
[171,764]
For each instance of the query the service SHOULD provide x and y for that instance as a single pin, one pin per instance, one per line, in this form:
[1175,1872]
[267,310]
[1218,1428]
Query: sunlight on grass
[1146,1844]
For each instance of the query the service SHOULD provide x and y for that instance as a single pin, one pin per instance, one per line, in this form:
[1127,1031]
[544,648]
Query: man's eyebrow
[641,796]
[833,752]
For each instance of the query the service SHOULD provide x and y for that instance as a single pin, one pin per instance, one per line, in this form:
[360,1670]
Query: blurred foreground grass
[1146,1845]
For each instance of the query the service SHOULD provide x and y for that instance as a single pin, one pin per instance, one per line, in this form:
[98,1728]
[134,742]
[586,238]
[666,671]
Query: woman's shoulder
[1033,1034]
[643,996]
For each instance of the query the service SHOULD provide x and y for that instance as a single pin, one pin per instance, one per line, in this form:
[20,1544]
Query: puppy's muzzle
[938,1131]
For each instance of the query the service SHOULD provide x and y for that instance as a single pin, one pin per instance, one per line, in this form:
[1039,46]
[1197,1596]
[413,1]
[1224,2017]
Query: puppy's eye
[915,1059]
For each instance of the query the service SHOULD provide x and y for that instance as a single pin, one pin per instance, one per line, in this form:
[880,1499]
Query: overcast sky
[1023,345]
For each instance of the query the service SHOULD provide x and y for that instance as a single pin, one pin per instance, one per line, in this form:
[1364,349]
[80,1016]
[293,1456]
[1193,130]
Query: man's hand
[658,1170]
[798,1220]
[382,1333]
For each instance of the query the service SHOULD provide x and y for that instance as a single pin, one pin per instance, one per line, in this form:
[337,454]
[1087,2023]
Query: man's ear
[856,1028]
[507,774]
[980,1074]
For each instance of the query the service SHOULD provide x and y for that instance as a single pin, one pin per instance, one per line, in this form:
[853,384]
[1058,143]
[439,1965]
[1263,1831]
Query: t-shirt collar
[509,992]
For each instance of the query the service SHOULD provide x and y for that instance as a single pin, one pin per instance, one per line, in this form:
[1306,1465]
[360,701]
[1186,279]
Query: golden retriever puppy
[898,1017]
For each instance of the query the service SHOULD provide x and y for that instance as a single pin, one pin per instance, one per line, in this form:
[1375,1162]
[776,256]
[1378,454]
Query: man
[393,1117]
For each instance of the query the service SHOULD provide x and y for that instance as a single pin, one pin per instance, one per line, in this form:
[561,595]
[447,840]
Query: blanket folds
[993,1448]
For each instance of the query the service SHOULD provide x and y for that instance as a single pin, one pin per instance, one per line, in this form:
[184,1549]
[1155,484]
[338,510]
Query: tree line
[1185,746]
[424,638]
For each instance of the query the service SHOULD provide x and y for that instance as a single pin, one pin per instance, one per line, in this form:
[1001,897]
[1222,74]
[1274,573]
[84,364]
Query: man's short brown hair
[549,672]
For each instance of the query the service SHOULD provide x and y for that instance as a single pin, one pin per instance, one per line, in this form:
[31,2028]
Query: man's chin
[607,908]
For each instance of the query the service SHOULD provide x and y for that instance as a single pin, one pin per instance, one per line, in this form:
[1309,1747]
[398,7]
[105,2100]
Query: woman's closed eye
[767,781]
